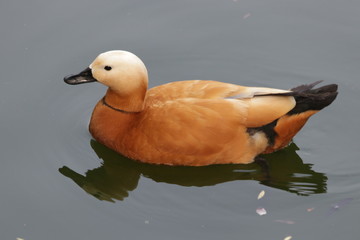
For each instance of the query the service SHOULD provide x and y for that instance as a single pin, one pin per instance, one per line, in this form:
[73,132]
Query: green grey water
[56,182]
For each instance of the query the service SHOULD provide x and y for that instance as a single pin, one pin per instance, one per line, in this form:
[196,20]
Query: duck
[193,122]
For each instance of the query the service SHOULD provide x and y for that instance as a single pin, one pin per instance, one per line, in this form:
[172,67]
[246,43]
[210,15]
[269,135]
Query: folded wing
[184,114]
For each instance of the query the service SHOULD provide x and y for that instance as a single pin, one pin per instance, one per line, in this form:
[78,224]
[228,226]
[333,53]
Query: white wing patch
[256,91]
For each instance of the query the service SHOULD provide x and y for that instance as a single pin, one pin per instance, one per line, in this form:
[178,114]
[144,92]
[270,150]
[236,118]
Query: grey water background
[56,183]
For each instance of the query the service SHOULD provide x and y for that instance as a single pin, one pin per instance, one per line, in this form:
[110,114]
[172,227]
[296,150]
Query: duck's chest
[108,126]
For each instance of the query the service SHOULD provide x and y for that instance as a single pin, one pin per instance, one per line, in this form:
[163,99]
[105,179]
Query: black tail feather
[308,98]
[305,87]
[325,89]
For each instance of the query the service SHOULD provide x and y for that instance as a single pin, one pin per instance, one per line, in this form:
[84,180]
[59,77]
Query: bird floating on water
[193,122]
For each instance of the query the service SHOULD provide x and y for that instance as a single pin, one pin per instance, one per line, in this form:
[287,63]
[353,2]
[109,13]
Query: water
[58,183]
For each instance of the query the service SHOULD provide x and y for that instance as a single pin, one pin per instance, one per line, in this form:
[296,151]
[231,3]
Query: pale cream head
[122,71]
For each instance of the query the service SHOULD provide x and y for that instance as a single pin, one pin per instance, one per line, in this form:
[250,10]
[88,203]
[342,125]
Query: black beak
[82,77]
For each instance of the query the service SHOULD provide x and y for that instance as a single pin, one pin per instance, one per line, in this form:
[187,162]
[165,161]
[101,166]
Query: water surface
[58,183]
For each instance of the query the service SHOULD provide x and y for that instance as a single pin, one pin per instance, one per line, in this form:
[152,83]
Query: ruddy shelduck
[193,122]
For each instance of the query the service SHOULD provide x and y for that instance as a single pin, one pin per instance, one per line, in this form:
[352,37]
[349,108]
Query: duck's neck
[133,102]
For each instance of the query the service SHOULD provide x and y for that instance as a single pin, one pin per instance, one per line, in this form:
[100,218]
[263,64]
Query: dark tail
[308,98]
[308,102]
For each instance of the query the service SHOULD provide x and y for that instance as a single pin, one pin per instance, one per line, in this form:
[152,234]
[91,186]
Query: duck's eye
[107,68]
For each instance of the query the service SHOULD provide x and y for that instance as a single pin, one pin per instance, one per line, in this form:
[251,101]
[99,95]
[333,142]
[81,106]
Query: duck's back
[204,89]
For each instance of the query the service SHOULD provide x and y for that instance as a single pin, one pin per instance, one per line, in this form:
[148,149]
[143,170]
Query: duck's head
[123,72]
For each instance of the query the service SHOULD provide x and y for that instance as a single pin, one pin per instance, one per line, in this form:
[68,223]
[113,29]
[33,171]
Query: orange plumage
[194,122]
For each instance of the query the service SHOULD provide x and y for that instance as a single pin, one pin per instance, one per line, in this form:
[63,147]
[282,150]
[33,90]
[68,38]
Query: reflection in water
[118,176]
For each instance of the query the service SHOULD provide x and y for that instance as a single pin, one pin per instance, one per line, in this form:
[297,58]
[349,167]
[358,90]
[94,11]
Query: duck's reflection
[118,175]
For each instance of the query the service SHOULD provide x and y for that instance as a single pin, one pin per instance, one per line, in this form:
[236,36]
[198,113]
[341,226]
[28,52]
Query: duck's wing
[181,124]
[256,105]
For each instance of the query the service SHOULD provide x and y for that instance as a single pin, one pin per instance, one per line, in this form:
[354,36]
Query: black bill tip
[82,77]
